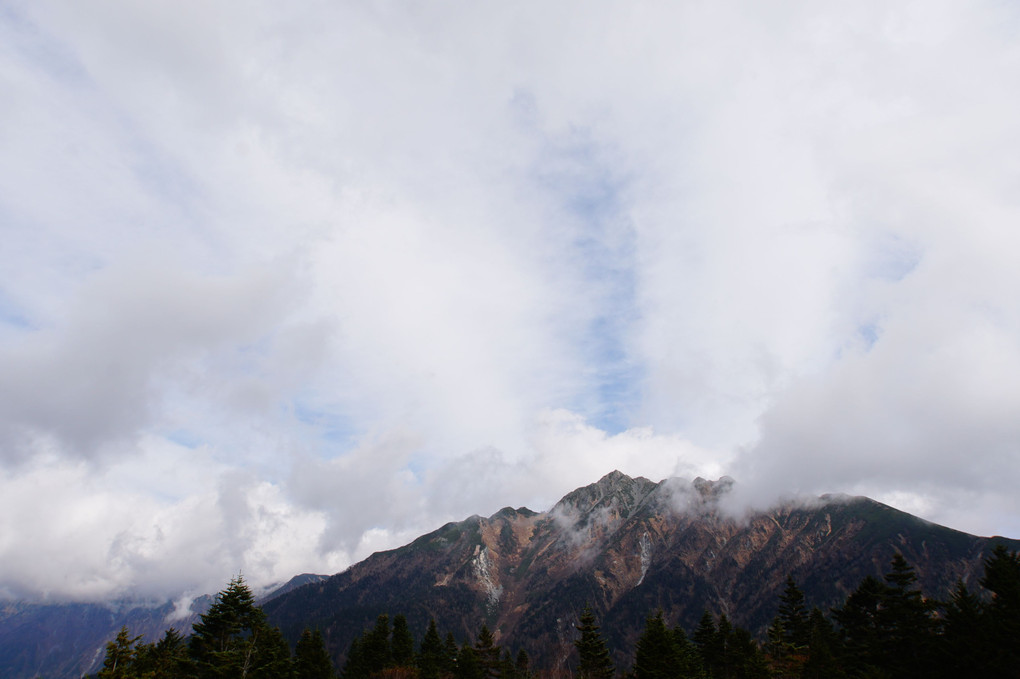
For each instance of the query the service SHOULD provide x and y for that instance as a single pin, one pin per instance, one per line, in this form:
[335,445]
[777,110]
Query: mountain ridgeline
[626,547]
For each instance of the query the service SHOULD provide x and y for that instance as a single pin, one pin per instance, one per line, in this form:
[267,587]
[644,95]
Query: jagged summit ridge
[627,546]
[613,492]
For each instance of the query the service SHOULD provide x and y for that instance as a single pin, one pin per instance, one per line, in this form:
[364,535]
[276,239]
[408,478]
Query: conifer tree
[402,643]
[522,665]
[355,666]
[688,659]
[507,669]
[789,633]
[1002,579]
[467,666]
[431,655]
[965,641]
[166,659]
[311,660]
[711,645]
[655,656]
[823,649]
[794,615]
[451,653]
[233,639]
[859,626]
[905,623]
[487,653]
[121,654]
[594,661]
[743,658]
[375,646]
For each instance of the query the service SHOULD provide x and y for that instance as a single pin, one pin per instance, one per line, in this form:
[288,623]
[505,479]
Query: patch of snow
[645,545]
[483,571]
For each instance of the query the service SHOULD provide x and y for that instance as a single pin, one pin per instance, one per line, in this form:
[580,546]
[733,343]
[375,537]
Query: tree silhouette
[233,639]
[311,661]
[594,662]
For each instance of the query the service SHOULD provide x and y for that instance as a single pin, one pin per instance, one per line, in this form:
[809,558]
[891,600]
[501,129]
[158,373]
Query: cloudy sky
[282,284]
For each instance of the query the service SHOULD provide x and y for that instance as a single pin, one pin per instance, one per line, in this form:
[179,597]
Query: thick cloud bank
[280,286]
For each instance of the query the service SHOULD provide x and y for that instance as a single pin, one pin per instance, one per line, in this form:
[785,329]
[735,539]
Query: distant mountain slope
[628,546]
[68,640]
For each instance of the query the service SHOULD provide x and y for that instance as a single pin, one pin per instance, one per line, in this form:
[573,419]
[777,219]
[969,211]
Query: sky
[283,284]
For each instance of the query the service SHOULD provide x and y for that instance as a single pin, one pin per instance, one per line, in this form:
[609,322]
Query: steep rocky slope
[628,546]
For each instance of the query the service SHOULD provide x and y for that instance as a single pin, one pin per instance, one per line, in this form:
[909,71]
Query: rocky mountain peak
[629,546]
[615,493]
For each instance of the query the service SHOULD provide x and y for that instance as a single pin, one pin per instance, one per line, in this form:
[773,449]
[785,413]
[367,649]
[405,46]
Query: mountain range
[628,547]
[625,546]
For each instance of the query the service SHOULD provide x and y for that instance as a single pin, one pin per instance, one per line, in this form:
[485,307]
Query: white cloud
[375,267]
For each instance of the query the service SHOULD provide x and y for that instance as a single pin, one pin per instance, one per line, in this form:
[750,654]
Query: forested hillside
[885,627]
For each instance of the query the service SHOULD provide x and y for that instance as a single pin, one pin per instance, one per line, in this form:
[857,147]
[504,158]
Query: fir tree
[431,655]
[233,639]
[467,666]
[507,670]
[1002,579]
[522,665]
[402,643]
[794,614]
[905,623]
[375,646]
[655,656]
[687,657]
[710,645]
[964,648]
[311,661]
[451,653]
[594,661]
[859,626]
[823,649]
[121,653]
[788,635]
[355,666]
[487,653]
[166,659]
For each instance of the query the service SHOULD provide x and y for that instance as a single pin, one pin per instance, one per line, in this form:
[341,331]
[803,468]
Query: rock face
[628,546]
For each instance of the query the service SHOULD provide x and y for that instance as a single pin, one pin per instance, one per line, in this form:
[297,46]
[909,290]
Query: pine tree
[233,639]
[794,614]
[355,666]
[859,626]
[823,649]
[431,655]
[120,657]
[906,625]
[743,657]
[655,656]
[522,665]
[709,643]
[687,657]
[487,653]
[451,653]
[467,666]
[1002,579]
[375,646]
[403,643]
[594,662]
[507,670]
[311,660]
[965,645]
[788,635]
[166,659]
